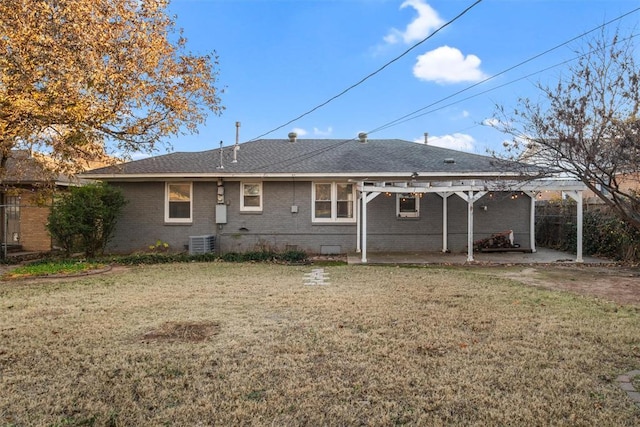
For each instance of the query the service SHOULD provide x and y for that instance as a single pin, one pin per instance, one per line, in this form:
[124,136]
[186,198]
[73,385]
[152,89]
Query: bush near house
[604,233]
[85,217]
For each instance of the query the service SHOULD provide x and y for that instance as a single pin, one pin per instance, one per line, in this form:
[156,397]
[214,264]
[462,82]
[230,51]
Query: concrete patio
[541,256]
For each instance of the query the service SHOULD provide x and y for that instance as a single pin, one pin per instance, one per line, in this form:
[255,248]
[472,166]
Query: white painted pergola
[470,191]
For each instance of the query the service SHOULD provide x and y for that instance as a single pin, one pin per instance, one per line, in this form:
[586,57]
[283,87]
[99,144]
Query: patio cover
[470,191]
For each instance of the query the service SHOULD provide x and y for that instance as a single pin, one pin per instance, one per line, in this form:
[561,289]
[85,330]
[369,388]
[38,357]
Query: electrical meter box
[221,214]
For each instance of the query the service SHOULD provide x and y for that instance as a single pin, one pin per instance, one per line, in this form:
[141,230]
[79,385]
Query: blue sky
[281,58]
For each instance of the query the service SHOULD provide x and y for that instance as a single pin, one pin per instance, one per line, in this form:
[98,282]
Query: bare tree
[79,78]
[587,126]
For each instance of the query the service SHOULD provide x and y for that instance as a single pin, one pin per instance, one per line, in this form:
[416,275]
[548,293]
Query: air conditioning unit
[201,244]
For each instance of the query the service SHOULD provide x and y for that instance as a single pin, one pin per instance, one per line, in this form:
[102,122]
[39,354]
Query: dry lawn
[228,344]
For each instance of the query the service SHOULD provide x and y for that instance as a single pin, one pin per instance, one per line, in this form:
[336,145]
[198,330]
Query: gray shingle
[316,156]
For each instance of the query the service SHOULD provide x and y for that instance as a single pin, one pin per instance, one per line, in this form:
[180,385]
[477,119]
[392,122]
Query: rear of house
[321,196]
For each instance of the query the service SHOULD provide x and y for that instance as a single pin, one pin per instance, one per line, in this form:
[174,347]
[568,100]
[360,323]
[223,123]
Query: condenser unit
[201,244]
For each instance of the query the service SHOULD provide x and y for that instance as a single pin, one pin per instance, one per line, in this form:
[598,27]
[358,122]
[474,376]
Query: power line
[408,117]
[413,115]
[371,74]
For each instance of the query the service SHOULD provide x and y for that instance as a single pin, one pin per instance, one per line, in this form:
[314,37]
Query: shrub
[603,234]
[259,256]
[293,256]
[607,235]
[232,257]
[85,218]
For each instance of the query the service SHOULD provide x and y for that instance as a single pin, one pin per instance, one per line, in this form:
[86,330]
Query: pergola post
[366,198]
[445,221]
[358,223]
[471,199]
[364,228]
[532,221]
[470,227]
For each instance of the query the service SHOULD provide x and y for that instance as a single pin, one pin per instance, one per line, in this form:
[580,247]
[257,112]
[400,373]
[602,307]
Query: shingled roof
[314,157]
[24,169]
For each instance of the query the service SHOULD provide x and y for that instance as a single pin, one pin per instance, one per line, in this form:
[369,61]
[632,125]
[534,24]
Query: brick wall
[34,235]
[142,221]
[278,227]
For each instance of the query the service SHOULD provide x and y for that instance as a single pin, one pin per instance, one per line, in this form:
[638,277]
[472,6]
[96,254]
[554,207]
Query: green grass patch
[51,268]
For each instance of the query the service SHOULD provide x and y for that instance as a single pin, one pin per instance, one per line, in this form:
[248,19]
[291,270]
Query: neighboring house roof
[23,169]
[318,157]
[26,168]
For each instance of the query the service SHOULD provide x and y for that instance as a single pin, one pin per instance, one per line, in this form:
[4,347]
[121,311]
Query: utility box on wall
[221,214]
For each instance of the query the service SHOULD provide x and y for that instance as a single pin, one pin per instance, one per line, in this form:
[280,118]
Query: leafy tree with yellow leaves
[80,79]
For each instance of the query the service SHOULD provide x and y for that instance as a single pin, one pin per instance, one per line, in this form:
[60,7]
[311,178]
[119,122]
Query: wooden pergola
[470,191]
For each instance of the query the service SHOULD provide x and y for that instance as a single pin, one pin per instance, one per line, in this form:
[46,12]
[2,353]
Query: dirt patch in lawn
[612,283]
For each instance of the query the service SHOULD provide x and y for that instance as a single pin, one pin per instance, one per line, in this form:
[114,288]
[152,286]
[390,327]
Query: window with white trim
[333,202]
[178,202]
[407,205]
[251,196]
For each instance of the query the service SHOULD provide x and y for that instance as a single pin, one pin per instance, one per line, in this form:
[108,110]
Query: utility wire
[318,151]
[411,116]
[408,117]
[371,74]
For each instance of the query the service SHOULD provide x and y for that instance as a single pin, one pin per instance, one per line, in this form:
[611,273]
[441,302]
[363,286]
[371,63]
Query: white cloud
[448,65]
[491,121]
[426,21]
[457,141]
[320,132]
[299,131]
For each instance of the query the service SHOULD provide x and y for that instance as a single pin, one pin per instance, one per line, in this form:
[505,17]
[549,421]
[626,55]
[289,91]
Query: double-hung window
[178,202]
[333,202]
[251,196]
[407,205]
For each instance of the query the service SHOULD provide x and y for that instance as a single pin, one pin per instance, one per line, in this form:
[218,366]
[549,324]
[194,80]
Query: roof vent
[449,160]
[362,136]
[426,138]
[292,136]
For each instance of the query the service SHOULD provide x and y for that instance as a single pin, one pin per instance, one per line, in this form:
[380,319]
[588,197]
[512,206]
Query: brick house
[327,196]
[26,195]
